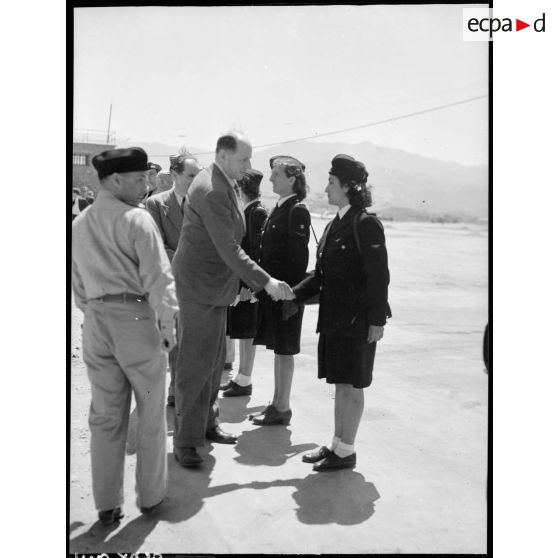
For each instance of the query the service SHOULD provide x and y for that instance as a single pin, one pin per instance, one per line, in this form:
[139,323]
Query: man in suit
[166,209]
[79,202]
[208,265]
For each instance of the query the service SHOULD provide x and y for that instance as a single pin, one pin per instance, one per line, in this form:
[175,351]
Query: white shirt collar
[342,212]
[178,197]
[283,200]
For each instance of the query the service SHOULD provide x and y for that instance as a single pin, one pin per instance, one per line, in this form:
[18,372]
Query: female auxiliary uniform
[284,255]
[353,294]
[242,319]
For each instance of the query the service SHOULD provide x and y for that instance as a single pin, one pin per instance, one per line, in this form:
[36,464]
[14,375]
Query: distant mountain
[404,185]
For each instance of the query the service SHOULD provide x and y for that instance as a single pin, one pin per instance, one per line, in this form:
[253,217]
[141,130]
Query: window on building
[80,159]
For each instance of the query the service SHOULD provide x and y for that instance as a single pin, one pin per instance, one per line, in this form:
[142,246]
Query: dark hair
[177,162]
[300,187]
[250,187]
[227,142]
[359,192]
[76,191]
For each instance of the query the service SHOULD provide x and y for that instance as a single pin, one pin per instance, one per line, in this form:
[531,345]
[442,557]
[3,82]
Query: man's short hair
[227,142]
[177,162]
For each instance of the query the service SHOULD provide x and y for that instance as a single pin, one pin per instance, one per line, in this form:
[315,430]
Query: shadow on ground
[342,497]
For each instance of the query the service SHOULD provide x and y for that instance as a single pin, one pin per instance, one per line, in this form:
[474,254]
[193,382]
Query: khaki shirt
[117,248]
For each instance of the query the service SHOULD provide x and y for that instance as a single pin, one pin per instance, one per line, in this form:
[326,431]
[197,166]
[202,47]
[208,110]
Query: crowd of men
[134,303]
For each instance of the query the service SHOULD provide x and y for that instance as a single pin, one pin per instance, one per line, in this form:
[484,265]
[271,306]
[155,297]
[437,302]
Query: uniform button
[342,247]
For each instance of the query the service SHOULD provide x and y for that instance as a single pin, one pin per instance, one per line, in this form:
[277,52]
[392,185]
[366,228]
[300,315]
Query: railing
[93,136]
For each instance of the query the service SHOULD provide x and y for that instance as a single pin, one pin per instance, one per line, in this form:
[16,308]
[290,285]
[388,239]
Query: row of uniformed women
[350,281]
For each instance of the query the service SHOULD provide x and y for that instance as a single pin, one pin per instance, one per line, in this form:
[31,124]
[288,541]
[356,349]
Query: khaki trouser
[122,352]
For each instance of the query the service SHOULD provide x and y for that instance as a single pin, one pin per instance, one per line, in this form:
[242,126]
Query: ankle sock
[334,441]
[343,450]
[242,380]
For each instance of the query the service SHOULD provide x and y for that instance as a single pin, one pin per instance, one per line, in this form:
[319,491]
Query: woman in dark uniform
[242,318]
[351,278]
[284,255]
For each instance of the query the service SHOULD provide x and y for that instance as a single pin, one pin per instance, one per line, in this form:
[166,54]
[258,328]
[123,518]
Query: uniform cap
[129,159]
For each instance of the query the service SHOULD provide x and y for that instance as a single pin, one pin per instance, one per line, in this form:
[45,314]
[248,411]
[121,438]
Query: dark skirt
[346,360]
[242,320]
[283,337]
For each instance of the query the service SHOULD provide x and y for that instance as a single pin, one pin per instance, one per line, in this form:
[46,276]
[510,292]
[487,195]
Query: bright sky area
[183,76]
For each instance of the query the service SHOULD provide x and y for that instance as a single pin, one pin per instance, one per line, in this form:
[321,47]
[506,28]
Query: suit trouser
[122,352]
[201,357]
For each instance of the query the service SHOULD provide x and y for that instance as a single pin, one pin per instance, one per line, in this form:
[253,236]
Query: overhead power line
[359,127]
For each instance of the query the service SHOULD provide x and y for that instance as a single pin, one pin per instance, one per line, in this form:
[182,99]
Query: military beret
[129,159]
[346,168]
[154,166]
[286,160]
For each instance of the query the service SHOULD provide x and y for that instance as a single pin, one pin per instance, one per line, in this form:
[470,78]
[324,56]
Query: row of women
[350,282]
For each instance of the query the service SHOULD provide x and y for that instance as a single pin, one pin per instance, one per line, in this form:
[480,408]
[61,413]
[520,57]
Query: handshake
[279,290]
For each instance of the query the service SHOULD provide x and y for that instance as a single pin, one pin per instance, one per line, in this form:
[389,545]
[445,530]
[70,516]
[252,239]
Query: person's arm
[298,237]
[375,260]
[78,288]
[215,211]
[154,210]
[154,267]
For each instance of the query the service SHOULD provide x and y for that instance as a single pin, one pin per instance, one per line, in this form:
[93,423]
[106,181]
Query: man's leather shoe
[219,437]
[108,517]
[187,457]
[171,401]
[150,509]
[333,463]
[317,455]
[235,390]
[273,416]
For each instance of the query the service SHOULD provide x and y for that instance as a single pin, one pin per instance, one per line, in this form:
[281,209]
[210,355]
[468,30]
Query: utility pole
[108,131]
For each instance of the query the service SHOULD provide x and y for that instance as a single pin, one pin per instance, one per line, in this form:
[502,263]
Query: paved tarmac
[420,481]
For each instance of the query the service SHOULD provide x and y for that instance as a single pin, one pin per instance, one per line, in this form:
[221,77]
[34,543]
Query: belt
[121,297]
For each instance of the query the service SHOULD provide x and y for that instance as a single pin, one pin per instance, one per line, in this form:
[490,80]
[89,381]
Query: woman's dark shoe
[273,416]
[225,386]
[235,390]
[317,455]
[108,517]
[333,462]
[259,414]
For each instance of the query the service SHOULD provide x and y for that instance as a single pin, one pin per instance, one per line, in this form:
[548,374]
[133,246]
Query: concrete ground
[420,481]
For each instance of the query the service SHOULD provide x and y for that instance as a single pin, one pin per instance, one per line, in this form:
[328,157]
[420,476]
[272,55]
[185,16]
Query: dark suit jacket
[284,248]
[353,288]
[209,261]
[167,215]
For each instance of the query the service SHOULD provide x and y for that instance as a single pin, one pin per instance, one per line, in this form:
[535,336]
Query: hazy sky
[186,75]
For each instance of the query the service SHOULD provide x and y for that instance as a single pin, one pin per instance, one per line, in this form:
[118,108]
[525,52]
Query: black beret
[286,160]
[346,168]
[154,166]
[129,159]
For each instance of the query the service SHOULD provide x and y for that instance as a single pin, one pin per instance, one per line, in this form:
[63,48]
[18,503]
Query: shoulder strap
[290,216]
[356,220]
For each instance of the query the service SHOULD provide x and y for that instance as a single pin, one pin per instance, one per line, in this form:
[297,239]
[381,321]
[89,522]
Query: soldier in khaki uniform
[122,281]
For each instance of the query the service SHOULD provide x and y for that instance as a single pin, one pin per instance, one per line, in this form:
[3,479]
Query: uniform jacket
[254,216]
[353,288]
[284,247]
[209,260]
[167,214]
